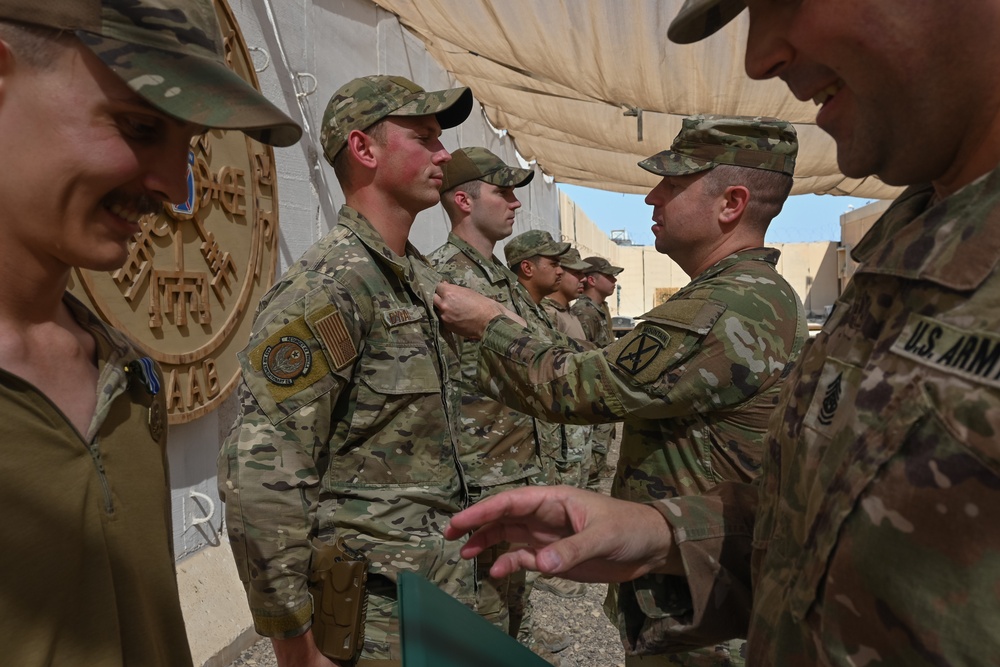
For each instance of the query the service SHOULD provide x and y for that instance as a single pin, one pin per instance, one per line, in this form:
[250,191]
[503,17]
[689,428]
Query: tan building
[854,225]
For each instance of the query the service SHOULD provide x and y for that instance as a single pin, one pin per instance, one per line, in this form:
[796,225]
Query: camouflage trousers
[604,435]
[503,601]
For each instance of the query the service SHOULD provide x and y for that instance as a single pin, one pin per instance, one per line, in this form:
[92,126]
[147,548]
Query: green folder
[439,631]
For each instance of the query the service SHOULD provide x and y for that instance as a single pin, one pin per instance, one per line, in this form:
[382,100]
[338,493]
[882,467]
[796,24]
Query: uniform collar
[495,272]
[359,225]
[954,243]
[769,255]
[555,304]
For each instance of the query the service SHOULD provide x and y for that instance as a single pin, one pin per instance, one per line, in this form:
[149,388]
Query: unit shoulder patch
[286,360]
[640,352]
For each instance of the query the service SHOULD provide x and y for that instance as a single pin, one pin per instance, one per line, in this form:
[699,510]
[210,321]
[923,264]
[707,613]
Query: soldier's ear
[362,148]
[736,198]
[527,268]
[463,201]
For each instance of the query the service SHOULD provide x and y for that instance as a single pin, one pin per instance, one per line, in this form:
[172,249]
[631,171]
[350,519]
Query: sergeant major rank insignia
[286,360]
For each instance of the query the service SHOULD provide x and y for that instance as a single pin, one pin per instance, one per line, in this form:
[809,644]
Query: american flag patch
[333,332]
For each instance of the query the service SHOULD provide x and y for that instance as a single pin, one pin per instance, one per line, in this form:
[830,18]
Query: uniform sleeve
[714,533]
[295,369]
[689,355]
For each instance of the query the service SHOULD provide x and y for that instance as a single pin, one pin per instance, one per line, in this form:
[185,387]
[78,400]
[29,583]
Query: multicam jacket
[700,373]
[345,428]
[876,537]
[496,444]
[595,318]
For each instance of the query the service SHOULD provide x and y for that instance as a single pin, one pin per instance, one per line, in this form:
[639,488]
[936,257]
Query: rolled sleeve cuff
[712,602]
[288,624]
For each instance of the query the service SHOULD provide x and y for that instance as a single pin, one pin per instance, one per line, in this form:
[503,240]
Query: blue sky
[804,217]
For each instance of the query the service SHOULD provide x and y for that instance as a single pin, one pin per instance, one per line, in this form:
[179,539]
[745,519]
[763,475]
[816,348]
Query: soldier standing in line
[557,304]
[600,279]
[872,530]
[496,445]
[345,434]
[697,381]
[98,109]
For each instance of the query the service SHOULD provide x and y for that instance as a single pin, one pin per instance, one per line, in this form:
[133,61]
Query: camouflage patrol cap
[170,52]
[743,141]
[571,260]
[600,265]
[478,164]
[698,19]
[362,102]
[531,243]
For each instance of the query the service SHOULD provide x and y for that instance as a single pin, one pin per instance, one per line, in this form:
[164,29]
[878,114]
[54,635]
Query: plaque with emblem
[196,271]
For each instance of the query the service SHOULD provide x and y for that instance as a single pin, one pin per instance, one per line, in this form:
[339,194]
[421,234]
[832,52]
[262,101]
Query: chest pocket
[398,360]
[856,421]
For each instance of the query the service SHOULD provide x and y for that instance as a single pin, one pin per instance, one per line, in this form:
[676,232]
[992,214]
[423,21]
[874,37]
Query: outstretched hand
[467,312]
[563,530]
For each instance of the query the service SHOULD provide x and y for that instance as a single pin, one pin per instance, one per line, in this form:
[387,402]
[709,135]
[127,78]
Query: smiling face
[905,87]
[491,211]
[86,157]
[409,161]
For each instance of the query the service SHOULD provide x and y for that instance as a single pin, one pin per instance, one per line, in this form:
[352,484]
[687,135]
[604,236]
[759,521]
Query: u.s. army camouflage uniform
[499,448]
[346,429]
[579,438]
[595,319]
[876,539]
[496,444]
[695,382]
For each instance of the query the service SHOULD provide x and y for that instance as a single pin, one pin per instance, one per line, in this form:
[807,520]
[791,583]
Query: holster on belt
[338,584]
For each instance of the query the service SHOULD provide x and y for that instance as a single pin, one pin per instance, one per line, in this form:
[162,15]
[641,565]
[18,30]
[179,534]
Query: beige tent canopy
[587,88]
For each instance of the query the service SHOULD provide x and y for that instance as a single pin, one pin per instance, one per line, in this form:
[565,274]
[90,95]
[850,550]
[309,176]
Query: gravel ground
[596,641]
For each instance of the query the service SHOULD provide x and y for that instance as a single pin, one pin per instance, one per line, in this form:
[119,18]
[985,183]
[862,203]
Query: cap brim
[669,163]
[195,89]
[697,20]
[509,177]
[576,266]
[554,250]
[451,106]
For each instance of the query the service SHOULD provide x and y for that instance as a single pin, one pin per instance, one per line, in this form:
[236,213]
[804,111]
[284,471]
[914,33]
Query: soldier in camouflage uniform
[497,446]
[698,379]
[100,102]
[557,304]
[600,278]
[346,428]
[874,541]
[535,257]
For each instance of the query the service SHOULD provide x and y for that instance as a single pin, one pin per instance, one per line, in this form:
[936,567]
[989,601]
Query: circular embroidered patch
[286,360]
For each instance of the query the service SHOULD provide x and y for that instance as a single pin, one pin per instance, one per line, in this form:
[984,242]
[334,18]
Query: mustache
[142,203]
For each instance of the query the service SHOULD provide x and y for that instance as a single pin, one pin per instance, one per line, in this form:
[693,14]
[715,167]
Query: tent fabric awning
[560,76]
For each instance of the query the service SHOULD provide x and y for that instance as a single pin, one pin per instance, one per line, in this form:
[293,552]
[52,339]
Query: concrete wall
[304,50]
